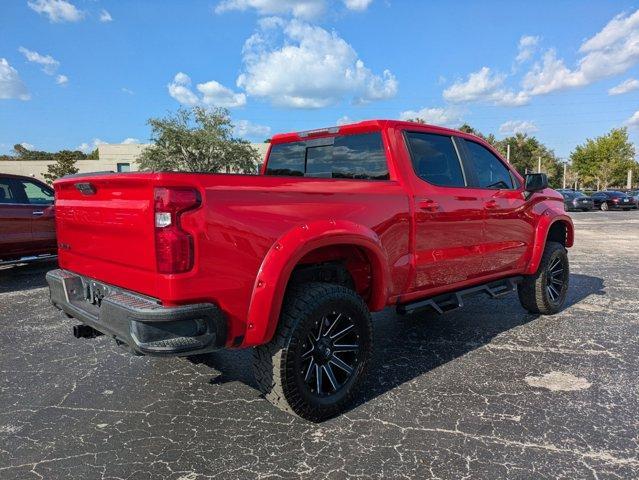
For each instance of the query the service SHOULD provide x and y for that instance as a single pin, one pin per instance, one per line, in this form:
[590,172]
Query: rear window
[347,156]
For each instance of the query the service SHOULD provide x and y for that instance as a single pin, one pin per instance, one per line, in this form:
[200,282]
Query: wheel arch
[287,252]
[550,228]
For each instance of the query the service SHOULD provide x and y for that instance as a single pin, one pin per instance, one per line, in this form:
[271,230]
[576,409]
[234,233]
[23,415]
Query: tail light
[173,246]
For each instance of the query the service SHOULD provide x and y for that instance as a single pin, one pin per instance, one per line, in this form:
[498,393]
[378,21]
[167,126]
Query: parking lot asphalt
[488,391]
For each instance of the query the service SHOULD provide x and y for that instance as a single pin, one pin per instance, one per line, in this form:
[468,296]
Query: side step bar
[447,302]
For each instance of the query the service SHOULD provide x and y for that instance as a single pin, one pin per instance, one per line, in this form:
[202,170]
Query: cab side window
[489,170]
[435,159]
[35,193]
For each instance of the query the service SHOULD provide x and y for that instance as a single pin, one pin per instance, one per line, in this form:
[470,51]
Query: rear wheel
[545,292]
[315,363]
[604,206]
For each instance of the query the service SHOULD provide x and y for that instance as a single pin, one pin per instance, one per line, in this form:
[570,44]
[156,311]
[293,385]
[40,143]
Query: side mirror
[536,182]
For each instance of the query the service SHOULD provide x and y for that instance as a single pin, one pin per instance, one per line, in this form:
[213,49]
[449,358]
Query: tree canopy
[64,165]
[197,140]
[604,161]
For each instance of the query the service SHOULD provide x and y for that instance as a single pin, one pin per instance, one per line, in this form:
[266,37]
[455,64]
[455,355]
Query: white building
[113,157]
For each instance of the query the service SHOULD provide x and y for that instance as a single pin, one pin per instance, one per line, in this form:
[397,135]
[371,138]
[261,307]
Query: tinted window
[490,171]
[36,193]
[616,194]
[6,194]
[347,156]
[287,159]
[568,195]
[435,159]
[360,156]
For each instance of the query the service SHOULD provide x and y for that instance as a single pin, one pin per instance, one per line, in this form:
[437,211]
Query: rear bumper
[142,323]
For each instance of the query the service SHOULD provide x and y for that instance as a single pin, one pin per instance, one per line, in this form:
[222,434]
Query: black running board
[453,300]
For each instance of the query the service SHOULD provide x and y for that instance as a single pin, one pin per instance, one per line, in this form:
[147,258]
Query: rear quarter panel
[244,216]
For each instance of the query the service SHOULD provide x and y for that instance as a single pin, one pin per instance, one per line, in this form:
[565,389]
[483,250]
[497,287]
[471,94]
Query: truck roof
[360,127]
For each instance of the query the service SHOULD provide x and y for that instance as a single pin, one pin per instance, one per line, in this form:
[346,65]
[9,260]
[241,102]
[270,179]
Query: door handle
[491,204]
[38,213]
[428,205]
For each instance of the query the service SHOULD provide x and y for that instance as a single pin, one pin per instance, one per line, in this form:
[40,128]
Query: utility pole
[508,153]
[539,164]
[629,183]
[565,168]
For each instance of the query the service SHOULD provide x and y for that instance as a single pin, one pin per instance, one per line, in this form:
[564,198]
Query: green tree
[197,140]
[64,165]
[604,161]
[525,152]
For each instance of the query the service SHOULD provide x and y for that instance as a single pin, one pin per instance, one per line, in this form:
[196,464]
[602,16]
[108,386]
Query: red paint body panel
[251,231]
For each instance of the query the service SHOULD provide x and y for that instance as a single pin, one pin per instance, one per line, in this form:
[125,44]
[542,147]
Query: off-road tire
[276,364]
[533,291]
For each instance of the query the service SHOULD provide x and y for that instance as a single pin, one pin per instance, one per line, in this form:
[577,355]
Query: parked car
[613,200]
[342,221]
[27,222]
[635,196]
[575,200]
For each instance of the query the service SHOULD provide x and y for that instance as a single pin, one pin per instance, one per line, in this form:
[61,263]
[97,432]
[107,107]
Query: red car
[27,222]
[341,222]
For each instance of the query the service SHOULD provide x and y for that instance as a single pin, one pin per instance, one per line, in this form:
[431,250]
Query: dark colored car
[27,222]
[574,201]
[635,196]
[613,200]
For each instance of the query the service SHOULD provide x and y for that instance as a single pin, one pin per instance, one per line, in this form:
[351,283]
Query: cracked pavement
[488,391]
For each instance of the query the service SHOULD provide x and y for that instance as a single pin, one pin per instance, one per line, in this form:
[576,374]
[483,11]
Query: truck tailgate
[105,227]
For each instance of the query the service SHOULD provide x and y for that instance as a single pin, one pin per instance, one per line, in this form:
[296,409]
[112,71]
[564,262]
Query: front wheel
[317,359]
[545,292]
[604,206]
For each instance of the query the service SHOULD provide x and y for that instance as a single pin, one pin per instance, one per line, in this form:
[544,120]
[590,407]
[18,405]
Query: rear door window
[358,156]
[435,159]
[489,171]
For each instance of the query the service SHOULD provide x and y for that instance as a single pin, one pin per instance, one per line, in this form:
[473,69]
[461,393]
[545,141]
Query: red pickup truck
[340,222]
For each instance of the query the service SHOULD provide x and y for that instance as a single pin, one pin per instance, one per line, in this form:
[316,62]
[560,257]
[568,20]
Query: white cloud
[447,116]
[88,147]
[634,120]
[61,80]
[130,141]
[105,16]
[295,64]
[484,86]
[344,120]
[127,90]
[306,9]
[357,5]
[216,94]
[526,48]
[610,52]
[57,10]
[180,89]
[47,62]
[517,126]
[28,146]
[247,129]
[212,93]
[11,85]
[624,87]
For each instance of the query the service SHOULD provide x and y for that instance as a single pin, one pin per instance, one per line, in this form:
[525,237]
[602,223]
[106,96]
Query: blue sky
[76,72]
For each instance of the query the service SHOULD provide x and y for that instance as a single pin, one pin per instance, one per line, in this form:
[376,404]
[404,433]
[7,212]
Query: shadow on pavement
[406,347]
[27,276]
